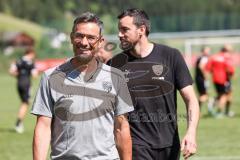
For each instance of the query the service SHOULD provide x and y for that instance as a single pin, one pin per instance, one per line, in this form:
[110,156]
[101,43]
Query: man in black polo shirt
[154,73]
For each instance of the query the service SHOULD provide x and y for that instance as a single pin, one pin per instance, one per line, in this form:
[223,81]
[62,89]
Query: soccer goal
[193,46]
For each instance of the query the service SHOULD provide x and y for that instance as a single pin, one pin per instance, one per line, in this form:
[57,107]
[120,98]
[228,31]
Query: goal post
[194,45]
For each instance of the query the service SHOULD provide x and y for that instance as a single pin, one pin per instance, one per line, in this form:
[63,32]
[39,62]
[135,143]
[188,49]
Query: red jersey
[220,67]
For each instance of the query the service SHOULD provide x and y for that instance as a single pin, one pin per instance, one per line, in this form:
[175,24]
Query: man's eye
[125,29]
[78,35]
[91,38]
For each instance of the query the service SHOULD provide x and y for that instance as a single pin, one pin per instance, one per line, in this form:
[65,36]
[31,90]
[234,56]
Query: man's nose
[84,40]
[120,34]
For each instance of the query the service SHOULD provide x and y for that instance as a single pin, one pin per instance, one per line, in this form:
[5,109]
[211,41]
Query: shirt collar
[74,73]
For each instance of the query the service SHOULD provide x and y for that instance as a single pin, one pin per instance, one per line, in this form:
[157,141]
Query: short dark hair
[226,48]
[85,18]
[29,50]
[204,48]
[140,18]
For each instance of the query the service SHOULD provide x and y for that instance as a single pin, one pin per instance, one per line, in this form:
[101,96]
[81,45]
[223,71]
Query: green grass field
[217,138]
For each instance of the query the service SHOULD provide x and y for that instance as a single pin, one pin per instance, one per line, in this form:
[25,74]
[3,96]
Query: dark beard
[126,46]
[82,59]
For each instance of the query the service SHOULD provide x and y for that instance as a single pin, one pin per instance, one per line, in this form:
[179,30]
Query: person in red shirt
[222,71]
[229,51]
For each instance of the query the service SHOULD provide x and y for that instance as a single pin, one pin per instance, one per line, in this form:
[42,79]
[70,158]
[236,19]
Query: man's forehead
[126,21]
[88,27]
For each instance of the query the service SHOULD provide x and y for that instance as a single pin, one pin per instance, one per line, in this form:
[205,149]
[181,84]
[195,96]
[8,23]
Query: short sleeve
[43,104]
[124,102]
[182,75]
[208,66]
[230,69]
[203,61]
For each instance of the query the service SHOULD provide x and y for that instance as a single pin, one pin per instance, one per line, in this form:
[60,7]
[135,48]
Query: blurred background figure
[228,49]
[222,70]
[201,75]
[105,52]
[23,69]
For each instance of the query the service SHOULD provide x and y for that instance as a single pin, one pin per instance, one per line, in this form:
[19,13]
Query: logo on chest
[146,79]
[158,70]
[107,86]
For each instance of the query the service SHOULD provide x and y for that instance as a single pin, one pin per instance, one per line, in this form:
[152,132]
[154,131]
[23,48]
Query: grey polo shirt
[82,108]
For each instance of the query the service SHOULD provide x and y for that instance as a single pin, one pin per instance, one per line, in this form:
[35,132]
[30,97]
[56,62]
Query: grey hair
[85,18]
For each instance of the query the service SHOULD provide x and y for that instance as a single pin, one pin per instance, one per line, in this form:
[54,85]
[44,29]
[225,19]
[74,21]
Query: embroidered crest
[157,69]
[107,86]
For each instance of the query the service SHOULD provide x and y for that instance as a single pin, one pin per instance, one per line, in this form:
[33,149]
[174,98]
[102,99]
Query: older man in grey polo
[82,107]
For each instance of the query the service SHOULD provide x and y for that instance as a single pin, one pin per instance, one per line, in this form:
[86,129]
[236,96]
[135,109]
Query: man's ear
[71,37]
[142,30]
[101,42]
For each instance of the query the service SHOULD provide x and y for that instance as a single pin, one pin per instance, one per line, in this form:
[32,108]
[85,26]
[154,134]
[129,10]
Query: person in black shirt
[23,69]
[201,75]
[154,73]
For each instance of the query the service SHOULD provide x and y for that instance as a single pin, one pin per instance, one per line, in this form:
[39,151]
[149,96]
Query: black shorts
[23,92]
[228,86]
[201,88]
[220,88]
[146,153]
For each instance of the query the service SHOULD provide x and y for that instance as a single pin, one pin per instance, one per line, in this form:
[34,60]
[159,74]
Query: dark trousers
[146,153]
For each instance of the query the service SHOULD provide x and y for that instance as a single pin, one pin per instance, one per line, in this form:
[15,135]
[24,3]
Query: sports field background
[217,138]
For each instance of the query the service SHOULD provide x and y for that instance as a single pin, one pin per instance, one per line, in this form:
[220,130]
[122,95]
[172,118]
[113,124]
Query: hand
[188,145]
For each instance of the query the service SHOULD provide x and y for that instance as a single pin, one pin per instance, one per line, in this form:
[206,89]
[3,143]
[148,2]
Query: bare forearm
[192,106]
[41,141]
[125,147]
[13,73]
[123,140]
[193,115]
[189,143]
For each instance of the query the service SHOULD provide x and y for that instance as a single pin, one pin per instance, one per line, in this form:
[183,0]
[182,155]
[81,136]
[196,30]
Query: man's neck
[27,57]
[86,68]
[142,49]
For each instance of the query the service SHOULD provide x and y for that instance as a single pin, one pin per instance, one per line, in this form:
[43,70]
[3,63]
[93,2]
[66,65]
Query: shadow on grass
[210,116]
[207,116]
[7,130]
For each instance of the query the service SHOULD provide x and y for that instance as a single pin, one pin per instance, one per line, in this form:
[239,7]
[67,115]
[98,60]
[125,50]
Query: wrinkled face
[129,34]
[85,41]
